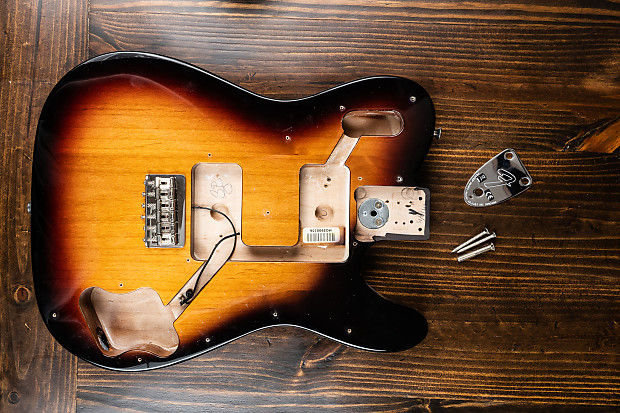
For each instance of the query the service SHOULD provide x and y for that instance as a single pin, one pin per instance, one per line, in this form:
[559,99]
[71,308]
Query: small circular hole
[420,229]
[411,222]
[373,213]
[525,181]
[509,155]
[478,192]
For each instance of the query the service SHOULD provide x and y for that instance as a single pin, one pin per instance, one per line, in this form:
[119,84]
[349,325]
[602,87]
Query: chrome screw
[472,239]
[472,254]
[475,244]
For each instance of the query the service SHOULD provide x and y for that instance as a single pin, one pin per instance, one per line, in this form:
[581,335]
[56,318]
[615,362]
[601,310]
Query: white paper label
[321,235]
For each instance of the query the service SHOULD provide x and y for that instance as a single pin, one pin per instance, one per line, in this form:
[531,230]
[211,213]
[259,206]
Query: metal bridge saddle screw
[472,239]
[479,251]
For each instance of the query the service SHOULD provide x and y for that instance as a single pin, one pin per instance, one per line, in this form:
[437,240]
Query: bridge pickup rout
[164,211]
[392,213]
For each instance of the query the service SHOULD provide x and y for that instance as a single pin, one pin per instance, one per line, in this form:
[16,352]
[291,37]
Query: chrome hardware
[472,254]
[498,180]
[475,244]
[472,239]
[437,133]
[164,211]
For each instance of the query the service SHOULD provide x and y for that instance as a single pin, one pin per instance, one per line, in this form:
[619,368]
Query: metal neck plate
[498,180]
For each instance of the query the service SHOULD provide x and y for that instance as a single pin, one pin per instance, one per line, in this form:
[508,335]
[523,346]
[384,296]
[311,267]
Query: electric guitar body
[173,212]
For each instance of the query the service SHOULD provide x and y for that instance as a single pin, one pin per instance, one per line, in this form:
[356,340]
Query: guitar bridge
[164,211]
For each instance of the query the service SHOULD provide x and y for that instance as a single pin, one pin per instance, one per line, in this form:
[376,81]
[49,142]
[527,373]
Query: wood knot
[22,295]
[13,397]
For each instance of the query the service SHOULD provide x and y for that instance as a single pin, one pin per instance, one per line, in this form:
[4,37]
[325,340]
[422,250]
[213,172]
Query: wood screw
[472,254]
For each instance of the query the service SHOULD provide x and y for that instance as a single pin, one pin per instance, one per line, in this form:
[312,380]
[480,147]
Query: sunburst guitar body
[174,212]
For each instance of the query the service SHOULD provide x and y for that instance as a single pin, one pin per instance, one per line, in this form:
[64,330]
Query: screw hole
[478,192]
[509,155]
[525,181]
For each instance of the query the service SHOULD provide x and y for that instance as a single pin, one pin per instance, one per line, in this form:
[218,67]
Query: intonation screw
[472,254]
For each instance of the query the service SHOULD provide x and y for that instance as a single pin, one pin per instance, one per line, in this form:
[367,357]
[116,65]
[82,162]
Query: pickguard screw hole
[349,331]
[412,99]
[342,108]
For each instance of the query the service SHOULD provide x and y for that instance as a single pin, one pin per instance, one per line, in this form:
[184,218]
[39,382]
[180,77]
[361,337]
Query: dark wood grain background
[532,327]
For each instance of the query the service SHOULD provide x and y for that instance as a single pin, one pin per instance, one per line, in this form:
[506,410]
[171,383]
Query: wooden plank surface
[532,327]
[39,42]
[536,321]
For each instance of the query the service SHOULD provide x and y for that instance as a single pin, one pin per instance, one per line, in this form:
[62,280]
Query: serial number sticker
[320,235]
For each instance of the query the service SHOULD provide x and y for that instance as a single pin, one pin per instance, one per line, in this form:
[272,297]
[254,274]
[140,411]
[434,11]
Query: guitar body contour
[119,117]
